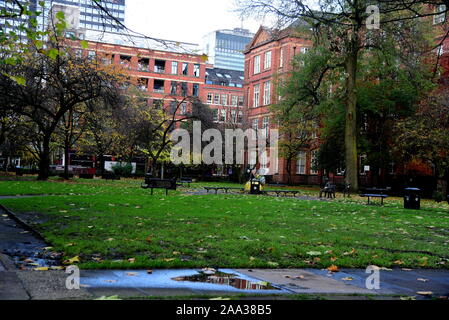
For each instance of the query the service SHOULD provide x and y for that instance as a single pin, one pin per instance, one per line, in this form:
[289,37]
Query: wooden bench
[156,183]
[285,192]
[222,188]
[375,195]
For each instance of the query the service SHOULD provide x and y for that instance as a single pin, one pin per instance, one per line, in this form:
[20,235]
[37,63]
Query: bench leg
[368,200]
[151,191]
[166,192]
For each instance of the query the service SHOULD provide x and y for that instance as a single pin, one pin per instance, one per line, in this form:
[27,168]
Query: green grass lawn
[116,224]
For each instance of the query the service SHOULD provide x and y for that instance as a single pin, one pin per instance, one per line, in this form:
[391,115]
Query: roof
[224,77]
[266,35]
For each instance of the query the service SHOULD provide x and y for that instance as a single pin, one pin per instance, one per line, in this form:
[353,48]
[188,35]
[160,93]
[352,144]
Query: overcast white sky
[183,20]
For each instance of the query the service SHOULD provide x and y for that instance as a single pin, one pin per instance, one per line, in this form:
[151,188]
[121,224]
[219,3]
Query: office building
[224,48]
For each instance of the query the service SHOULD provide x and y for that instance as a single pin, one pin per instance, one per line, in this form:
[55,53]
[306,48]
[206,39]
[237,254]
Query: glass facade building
[84,14]
[224,48]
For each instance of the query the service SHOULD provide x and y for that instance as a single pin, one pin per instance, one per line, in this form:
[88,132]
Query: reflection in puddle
[227,279]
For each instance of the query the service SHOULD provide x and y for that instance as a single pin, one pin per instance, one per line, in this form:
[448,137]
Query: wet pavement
[24,249]
[168,282]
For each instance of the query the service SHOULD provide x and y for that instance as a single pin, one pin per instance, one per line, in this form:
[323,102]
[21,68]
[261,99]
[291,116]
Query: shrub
[123,169]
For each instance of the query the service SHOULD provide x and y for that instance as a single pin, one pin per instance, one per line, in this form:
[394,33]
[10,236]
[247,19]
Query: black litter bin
[412,198]
[255,187]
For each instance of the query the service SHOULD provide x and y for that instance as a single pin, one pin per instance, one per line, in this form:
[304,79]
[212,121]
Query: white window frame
[224,99]
[256,96]
[267,93]
[257,64]
[210,98]
[267,60]
[173,64]
[301,162]
[281,58]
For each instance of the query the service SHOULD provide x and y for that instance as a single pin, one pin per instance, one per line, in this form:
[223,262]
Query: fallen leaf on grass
[350,252]
[72,261]
[169,259]
[132,260]
[333,268]
[274,264]
[313,253]
[398,262]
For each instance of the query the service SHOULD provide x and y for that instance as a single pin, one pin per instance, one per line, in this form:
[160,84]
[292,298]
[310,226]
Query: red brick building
[166,76]
[268,58]
[223,93]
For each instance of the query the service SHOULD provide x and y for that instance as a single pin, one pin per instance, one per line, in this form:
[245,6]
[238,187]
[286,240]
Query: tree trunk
[289,171]
[66,158]
[351,120]
[44,161]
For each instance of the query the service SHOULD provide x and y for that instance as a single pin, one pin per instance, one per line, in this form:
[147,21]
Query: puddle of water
[31,258]
[227,279]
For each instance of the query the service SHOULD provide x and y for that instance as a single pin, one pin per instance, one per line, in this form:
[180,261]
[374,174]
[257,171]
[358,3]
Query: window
[185,68]
[256,96]
[313,162]
[184,108]
[234,101]
[233,116]
[143,64]
[142,84]
[215,115]
[440,18]
[91,55]
[240,117]
[224,99]
[216,99]
[255,125]
[223,115]
[301,163]
[196,90]
[281,58]
[196,70]
[158,86]
[159,66]
[174,67]
[184,89]
[266,126]
[267,93]
[173,106]
[174,88]
[209,98]
[304,49]
[256,64]
[267,61]
[241,100]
